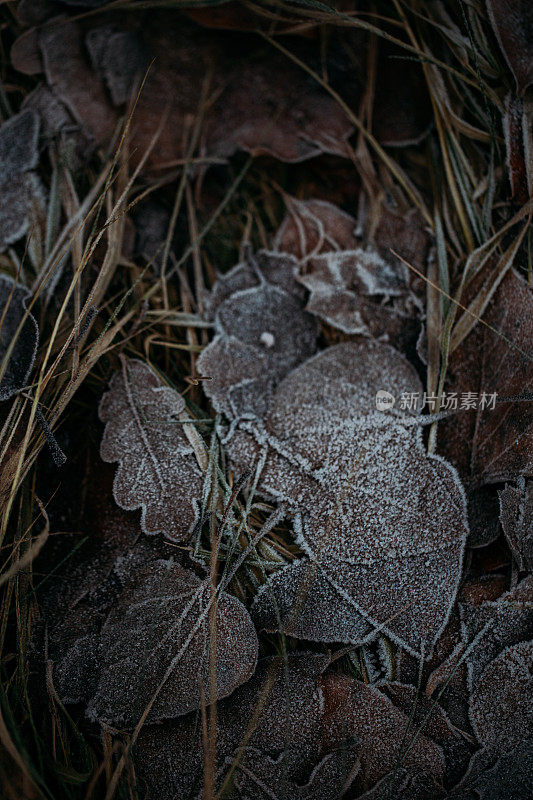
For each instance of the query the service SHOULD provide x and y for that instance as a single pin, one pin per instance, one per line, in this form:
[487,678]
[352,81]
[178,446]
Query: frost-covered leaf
[384,523]
[380,729]
[501,705]
[506,621]
[262,333]
[12,311]
[494,444]
[516,517]
[21,194]
[495,776]
[341,283]
[158,471]
[512,21]
[159,631]
[274,728]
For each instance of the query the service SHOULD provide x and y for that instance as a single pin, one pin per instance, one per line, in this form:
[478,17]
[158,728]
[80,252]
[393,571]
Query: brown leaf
[158,471]
[512,21]
[495,444]
[380,729]
[311,227]
[516,517]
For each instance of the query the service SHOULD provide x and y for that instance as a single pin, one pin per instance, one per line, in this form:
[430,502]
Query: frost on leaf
[516,517]
[262,333]
[501,705]
[341,283]
[158,471]
[20,361]
[494,444]
[158,632]
[21,193]
[381,730]
[496,625]
[382,524]
[512,21]
[273,731]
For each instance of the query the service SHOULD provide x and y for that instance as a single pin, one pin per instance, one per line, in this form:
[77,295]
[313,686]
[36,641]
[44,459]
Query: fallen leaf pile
[284,588]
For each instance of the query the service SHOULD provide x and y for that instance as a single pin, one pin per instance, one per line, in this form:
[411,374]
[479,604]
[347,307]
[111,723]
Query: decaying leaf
[21,194]
[311,227]
[512,21]
[495,443]
[382,524]
[263,104]
[158,471]
[516,517]
[262,333]
[158,632]
[16,371]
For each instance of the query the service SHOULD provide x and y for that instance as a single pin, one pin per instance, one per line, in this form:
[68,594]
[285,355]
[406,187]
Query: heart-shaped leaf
[158,471]
[382,523]
[156,643]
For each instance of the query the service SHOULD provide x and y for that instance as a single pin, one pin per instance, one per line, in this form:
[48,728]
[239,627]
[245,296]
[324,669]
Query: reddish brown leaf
[512,21]
[495,444]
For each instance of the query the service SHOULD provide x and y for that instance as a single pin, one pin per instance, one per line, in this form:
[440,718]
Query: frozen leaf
[383,522]
[494,444]
[341,283]
[266,777]
[311,227]
[13,300]
[494,776]
[21,194]
[158,631]
[505,622]
[158,471]
[273,729]
[308,607]
[428,717]
[512,21]
[18,145]
[262,333]
[381,730]
[501,705]
[515,127]
[516,517]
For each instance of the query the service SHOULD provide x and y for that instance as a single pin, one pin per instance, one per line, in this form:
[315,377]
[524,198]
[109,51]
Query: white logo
[384,400]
